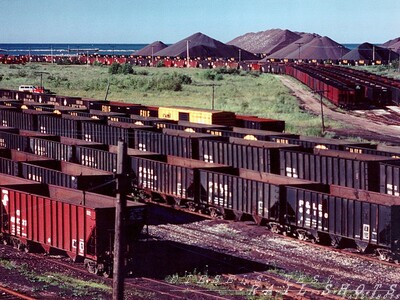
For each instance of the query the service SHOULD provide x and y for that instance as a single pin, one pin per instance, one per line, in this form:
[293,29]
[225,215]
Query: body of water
[68,49]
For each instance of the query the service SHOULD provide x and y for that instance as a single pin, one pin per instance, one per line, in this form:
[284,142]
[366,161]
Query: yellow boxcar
[197,115]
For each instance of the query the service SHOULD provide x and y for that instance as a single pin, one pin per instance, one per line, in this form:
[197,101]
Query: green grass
[246,93]
[384,70]
[66,284]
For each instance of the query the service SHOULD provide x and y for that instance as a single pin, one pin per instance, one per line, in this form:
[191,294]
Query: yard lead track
[8,294]
[164,289]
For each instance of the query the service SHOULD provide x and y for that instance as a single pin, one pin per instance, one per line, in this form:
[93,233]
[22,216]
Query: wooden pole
[322,112]
[120,209]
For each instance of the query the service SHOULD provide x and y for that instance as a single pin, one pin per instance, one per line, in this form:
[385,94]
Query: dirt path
[359,125]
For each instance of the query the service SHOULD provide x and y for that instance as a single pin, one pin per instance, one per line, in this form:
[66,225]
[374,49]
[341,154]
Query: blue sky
[145,21]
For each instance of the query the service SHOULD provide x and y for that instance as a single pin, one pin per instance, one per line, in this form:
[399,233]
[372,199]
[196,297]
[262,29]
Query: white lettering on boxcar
[392,189]
[4,197]
[218,194]
[308,213]
[147,177]
[179,190]
[291,172]
[39,150]
[88,161]
[208,158]
[43,129]
[88,137]
[34,177]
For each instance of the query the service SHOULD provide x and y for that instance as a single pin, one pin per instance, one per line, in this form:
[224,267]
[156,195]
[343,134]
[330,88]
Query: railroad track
[267,284]
[321,246]
[218,237]
[270,285]
[164,289]
[9,294]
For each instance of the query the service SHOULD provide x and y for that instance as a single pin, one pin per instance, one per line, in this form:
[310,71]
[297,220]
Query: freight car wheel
[215,214]
[191,206]
[383,255]
[107,273]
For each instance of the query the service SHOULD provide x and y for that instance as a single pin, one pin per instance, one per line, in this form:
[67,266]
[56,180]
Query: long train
[217,183]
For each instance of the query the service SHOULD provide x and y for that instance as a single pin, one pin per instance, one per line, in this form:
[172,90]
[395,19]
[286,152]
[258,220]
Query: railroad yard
[220,205]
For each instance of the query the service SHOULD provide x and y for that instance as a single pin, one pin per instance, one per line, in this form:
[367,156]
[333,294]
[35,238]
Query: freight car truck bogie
[386,255]
[104,269]
[305,235]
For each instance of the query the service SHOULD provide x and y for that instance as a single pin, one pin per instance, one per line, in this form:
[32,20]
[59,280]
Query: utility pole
[240,55]
[41,77]
[213,88]
[187,52]
[321,92]
[299,45]
[152,55]
[373,53]
[341,51]
[390,50]
[108,89]
[120,212]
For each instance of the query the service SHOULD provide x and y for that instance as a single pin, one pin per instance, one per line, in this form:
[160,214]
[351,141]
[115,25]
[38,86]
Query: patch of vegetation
[8,264]
[68,285]
[202,279]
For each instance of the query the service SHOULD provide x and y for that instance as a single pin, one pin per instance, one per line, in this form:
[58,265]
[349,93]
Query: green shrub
[22,73]
[126,69]
[209,74]
[142,72]
[97,64]
[64,62]
[115,68]
[225,70]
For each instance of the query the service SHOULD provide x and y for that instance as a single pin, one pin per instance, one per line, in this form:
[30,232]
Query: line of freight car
[110,134]
[342,168]
[44,122]
[171,142]
[381,150]
[197,115]
[103,159]
[144,121]
[173,113]
[373,93]
[42,169]
[55,219]
[78,102]
[249,134]
[336,92]
[345,217]
[56,147]
[261,156]
[9,160]
[391,84]
[310,143]
[252,122]
[212,188]
[342,217]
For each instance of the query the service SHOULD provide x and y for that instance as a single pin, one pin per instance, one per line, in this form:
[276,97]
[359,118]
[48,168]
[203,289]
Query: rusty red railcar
[78,224]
